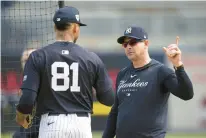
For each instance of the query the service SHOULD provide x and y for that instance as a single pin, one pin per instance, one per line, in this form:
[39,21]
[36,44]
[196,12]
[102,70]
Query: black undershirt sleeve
[27,101]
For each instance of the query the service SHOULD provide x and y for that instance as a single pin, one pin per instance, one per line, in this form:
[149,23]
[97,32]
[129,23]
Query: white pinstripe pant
[65,126]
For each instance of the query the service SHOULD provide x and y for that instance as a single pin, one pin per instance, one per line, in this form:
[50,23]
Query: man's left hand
[174,54]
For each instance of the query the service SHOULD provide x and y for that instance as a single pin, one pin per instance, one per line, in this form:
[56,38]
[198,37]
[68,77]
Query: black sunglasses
[132,42]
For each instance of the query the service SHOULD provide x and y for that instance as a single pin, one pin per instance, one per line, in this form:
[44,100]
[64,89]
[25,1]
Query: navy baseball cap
[133,32]
[67,14]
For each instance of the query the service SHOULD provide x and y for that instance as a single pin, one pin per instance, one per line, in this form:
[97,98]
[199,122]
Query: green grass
[98,135]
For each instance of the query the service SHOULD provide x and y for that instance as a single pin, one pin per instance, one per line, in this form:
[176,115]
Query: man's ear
[146,42]
[75,28]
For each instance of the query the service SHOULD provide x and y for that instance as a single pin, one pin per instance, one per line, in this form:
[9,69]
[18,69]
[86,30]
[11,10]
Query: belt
[78,114]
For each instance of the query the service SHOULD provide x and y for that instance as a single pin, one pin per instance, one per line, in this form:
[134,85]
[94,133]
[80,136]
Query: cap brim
[81,24]
[120,40]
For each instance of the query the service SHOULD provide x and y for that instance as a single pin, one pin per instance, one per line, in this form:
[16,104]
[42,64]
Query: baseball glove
[25,120]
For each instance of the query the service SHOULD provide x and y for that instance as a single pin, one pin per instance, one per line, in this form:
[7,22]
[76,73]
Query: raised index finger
[177,40]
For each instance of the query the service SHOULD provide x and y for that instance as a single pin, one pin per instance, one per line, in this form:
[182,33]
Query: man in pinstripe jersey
[60,77]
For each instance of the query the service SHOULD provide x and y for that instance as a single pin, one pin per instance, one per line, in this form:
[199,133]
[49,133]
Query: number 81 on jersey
[65,76]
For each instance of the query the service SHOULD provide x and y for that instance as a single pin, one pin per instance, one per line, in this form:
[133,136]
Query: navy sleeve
[178,82]
[30,84]
[110,130]
[31,75]
[103,84]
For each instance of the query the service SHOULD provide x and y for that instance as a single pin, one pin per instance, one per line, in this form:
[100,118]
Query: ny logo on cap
[77,17]
[128,30]
[58,19]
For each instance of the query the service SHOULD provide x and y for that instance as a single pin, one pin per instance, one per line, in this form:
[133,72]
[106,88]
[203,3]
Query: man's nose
[129,46]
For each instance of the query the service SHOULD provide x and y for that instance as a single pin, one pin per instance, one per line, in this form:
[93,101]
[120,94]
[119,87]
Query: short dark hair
[63,26]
